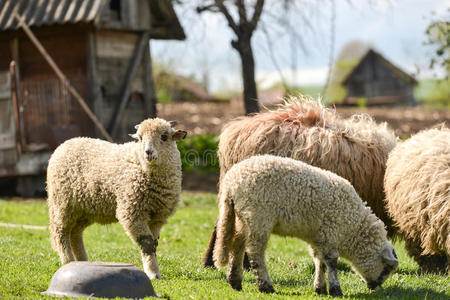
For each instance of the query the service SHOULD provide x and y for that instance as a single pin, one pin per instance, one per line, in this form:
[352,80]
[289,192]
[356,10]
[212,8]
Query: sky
[301,54]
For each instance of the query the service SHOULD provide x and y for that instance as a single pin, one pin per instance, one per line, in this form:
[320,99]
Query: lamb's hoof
[154,276]
[321,290]
[208,262]
[266,288]
[236,284]
[335,291]
[247,266]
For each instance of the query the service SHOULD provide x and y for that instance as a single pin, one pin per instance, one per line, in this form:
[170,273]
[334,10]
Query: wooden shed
[102,47]
[376,81]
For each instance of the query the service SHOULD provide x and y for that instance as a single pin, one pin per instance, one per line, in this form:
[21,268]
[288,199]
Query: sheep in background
[137,184]
[265,194]
[417,184]
[355,148]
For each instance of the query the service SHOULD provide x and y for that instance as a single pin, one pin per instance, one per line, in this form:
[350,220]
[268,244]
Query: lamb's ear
[179,135]
[173,123]
[134,135]
[389,256]
[136,127]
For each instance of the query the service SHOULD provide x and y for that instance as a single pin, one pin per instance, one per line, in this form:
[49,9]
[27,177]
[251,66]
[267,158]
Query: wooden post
[123,99]
[61,76]
[16,59]
[149,86]
[12,72]
[93,82]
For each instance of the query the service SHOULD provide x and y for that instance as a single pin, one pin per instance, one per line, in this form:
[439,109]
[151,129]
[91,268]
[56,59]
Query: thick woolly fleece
[417,184]
[291,198]
[356,148]
[90,180]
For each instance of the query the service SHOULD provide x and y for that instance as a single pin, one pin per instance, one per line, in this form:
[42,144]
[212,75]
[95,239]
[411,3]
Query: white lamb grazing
[137,184]
[265,194]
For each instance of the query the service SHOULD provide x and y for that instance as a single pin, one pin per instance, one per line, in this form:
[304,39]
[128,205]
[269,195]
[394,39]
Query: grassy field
[27,261]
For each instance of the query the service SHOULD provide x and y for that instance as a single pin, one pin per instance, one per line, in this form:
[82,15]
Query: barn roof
[50,12]
[396,70]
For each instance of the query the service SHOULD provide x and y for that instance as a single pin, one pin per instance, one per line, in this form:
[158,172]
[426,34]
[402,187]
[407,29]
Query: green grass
[27,261]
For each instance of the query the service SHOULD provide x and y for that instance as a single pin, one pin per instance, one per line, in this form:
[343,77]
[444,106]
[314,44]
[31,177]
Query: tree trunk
[244,47]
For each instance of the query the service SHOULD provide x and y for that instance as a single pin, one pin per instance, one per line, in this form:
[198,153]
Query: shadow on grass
[388,293]
[293,282]
[298,293]
[401,293]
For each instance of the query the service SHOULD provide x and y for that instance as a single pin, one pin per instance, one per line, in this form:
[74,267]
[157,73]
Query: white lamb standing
[265,194]
[137,184]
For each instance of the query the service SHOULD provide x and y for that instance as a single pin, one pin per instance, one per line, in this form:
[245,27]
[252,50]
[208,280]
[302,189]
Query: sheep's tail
[225,230]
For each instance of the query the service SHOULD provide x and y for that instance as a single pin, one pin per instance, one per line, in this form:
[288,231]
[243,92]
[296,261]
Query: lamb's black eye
[164,137]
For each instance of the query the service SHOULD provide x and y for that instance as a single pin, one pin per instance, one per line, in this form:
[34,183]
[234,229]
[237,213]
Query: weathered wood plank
[15,101]
[115,44]
[149,85]
[94,92]
[31,163]
[18,105]
[122,101]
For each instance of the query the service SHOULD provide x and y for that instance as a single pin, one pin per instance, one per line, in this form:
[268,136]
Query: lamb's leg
[152,263]
[235,270]
[60,228]
[256,247]
[137,229]
[60,236]
[208,259]
[76,240]
[333,280]
[320,284]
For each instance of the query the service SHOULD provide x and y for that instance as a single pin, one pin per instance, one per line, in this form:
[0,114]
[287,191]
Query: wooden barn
[102,47]
[376,81]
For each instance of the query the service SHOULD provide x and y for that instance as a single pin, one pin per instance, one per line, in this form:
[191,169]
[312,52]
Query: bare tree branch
[242,11]
[272,54]
[226,13]
[210,7]
[256,14]
[286,26]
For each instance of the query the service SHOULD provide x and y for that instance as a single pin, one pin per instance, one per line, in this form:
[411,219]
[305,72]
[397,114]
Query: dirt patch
[200,118]
[404,121]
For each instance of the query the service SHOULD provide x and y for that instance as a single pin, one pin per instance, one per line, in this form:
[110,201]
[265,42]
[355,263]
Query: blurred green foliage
[199,153]
[433,93]
[361,102]
[336,91]
[163,96]
[438,36]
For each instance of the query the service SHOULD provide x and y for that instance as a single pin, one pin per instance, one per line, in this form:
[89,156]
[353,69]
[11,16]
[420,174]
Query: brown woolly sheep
[137,184]
[417,185]
[355,148]
[270,194]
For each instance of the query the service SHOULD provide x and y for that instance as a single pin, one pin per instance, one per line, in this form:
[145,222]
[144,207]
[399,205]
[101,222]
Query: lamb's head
[377,266]
[157,140]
